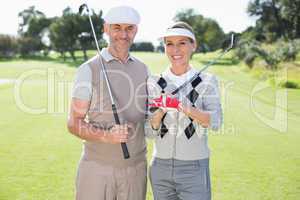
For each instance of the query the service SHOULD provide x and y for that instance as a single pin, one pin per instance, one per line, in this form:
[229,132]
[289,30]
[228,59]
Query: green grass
[249,159]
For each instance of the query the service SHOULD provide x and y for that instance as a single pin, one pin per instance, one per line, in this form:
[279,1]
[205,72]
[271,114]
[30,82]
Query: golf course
[254,156]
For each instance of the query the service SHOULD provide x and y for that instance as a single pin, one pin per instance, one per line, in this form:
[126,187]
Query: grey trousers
[97,182]
[173,179]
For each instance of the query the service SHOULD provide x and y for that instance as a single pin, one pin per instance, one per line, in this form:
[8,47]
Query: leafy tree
[67,31]
[33,25]
[276,18]
[209,34]
[63,35]
[84,40]
[57,41]
[26,16]
[37,25]
[85,36]
[290,12]
[253,33]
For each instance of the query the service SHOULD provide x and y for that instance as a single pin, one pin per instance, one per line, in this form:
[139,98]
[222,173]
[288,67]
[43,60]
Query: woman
[178,121]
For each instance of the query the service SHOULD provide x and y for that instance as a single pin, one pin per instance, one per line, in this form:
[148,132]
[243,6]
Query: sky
[156,15]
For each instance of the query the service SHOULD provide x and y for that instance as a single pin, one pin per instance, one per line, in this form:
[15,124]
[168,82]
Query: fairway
[253,156]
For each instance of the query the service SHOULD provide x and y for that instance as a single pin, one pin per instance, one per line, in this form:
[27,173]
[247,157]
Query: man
[103,173]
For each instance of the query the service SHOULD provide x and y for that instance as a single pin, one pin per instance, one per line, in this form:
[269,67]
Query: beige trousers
[97,182]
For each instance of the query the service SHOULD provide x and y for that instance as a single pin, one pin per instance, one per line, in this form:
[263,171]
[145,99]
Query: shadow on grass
[37,58]
[67,61]
[80,59]
[70,62]
[7,59]
[223,61]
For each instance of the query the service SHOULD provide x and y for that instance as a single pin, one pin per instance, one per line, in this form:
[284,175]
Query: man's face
[121,36]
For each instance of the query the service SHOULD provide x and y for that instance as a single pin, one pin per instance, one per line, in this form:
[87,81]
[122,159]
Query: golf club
[207,65]
[197,74]
[113,105]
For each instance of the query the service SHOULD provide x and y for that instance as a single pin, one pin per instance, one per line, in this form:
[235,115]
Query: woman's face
[179,50]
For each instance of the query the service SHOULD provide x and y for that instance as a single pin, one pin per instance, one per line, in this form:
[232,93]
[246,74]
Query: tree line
[277,22]
[38,34]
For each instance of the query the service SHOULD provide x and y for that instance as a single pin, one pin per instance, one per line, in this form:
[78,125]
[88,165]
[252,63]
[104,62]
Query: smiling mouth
[124,43]
[177,57]
[124,40]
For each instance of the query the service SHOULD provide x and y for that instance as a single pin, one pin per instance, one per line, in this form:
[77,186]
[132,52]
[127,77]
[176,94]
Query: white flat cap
[122,15]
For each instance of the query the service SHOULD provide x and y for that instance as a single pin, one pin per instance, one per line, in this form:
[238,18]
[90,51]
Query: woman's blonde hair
[184,25]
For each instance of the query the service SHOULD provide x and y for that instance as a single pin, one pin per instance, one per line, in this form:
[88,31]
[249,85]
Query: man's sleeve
[148,71]
[82,88]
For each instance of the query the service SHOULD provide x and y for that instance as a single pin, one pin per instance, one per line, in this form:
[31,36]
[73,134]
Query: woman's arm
[153,119]
[211,115]
[201,117]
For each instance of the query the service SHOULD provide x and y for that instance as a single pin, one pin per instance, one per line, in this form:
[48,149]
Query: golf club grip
[117,120]
[125,150]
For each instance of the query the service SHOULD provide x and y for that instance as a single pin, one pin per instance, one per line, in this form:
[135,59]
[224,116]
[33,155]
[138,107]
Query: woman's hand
[165,102]
[157,117]
[202,117]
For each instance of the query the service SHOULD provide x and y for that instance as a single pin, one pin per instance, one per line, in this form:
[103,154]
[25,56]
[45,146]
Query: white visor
[178,32]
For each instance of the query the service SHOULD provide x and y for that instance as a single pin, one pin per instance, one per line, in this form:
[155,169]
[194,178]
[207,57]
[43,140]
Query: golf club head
[232,42]
[81,8]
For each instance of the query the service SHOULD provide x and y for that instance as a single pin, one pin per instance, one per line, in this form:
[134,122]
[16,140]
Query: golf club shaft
[206,66]
[220,56]
[213,61]
[196,75]
[113,105]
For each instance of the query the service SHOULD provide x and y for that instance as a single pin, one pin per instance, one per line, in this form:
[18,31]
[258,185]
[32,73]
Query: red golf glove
[165,102]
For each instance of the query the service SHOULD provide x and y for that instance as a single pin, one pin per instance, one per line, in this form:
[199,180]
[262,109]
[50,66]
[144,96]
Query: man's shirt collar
[108,57]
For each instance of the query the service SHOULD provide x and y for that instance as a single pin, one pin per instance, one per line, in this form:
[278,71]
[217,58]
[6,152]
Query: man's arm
[78,127]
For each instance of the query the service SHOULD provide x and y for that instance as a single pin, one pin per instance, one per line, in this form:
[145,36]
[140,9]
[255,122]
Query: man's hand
[117,134]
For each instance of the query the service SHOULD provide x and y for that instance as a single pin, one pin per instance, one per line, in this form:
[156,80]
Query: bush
[287,51]
[249,59]
[247,51]
[8,46]
[289,84]
[29,46]
[142,46]
[271,55]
